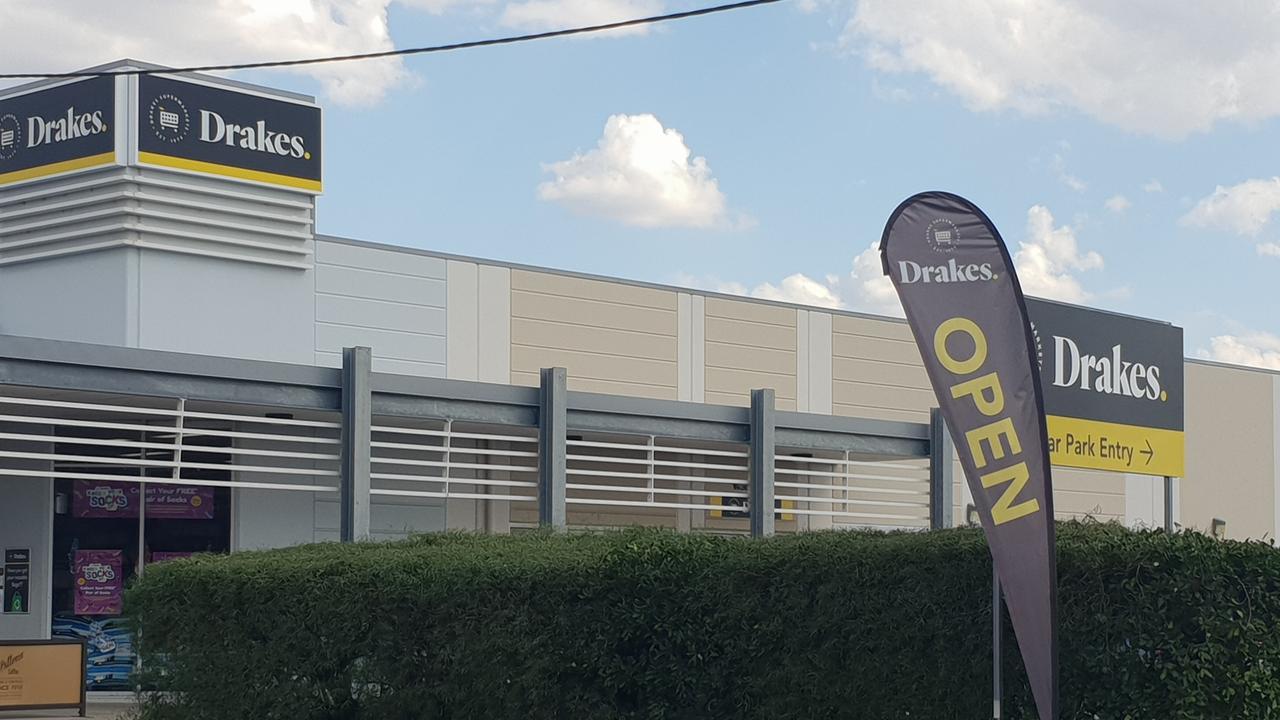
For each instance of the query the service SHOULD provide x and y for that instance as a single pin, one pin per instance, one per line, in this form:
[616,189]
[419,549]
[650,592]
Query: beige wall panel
[886,373]
[611,337]
[751,311]
[541,333]
[882,396]
[1086,493]
[1231,436]
[749,345]
[875,413]
[744,333]
[868,348]
[758,359]
[743,399]
[871,327]
[731,380]
[594,366]
[609,387]
[591,313]
[575,287]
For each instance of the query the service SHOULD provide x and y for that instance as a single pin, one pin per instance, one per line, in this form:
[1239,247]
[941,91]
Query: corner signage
[1113,389]
[200,128]
[57,130]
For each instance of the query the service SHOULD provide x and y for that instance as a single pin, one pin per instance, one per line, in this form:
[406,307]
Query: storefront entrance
[107,531]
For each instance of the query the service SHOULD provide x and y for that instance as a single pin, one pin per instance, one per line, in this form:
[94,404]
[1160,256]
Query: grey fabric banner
[966,311]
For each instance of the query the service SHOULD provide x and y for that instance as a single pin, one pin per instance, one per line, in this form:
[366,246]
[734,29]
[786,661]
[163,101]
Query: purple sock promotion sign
[115,499]
[99,582]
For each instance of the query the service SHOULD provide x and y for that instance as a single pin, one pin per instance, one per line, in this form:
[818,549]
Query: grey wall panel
[390,344]
[273,518]
[393,287]
[379,314]
[225,307]
[369,258]
[84,298]
[392,302]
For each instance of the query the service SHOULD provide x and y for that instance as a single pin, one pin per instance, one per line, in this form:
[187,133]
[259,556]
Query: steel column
[941,472]
[760,494]
[357,419]
[552,439]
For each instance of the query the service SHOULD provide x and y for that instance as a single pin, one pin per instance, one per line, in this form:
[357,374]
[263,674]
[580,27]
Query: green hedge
[646,624]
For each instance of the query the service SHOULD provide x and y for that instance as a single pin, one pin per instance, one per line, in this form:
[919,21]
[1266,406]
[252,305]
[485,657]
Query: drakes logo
[98,572]
[257,137]
[71,125]
[1108,374]
[10,136]
[10,663]
[169,118]
[952,272]
[942,235]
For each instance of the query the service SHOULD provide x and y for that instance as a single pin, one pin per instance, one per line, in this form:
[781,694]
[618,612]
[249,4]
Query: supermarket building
[180,372]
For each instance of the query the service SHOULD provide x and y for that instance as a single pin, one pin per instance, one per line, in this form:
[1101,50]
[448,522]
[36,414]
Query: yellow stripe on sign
[1097,445]
[40,171]
[228,171]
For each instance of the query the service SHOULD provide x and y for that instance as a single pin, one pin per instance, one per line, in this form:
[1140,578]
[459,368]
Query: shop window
[106,531]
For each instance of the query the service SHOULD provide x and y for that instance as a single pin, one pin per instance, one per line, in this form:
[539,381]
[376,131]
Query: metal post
[997,684]
[357,419]
[552,440]
[1168,504]
[760,493]
[941,472]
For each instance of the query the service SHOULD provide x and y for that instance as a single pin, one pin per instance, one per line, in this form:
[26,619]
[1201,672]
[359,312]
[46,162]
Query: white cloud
[1048,260]
[1166,69]
[865,288]
[1059,167]
[1118,203]
[1152,186]
[1269,248]
[1244,208]
[557,14]
[639,173]
[1259,349]
[53,35]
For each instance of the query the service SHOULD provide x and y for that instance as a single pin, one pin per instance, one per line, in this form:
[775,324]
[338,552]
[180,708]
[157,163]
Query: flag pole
[997,686]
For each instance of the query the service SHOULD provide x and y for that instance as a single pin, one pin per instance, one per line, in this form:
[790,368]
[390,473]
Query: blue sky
[814,119]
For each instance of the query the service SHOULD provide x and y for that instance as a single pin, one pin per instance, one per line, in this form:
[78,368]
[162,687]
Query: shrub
[651,624]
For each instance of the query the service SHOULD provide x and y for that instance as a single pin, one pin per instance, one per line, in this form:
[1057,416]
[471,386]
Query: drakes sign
[197,127]
[57,130]
[1113,389]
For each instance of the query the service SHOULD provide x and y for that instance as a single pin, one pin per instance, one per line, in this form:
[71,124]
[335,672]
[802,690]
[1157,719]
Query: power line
[405,51]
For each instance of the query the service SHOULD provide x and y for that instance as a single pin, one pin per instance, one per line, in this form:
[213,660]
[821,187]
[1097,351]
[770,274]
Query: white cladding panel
[393,302]
[83,298]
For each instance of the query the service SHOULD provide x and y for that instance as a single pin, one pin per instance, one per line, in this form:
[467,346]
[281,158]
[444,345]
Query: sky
[1126,151]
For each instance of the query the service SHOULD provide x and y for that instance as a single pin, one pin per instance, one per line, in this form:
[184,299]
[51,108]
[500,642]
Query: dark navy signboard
[61,129]
[224,132]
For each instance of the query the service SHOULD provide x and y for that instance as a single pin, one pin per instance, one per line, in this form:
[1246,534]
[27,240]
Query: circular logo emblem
[196,501]
[10,136]
[168,118]
[942,235]
[1035,335]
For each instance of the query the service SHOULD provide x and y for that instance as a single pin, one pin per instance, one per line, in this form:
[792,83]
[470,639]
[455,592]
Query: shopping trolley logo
[10,136]
[168,118]
[98,572]
[107,498]
[942,235]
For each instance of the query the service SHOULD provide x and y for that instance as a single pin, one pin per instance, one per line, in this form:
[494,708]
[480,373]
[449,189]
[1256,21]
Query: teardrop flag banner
[966,310]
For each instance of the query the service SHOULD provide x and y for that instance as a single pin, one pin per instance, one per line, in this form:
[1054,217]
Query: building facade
[179,248]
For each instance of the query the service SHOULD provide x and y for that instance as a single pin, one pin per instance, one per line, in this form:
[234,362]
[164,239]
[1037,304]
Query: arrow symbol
[1148,452]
